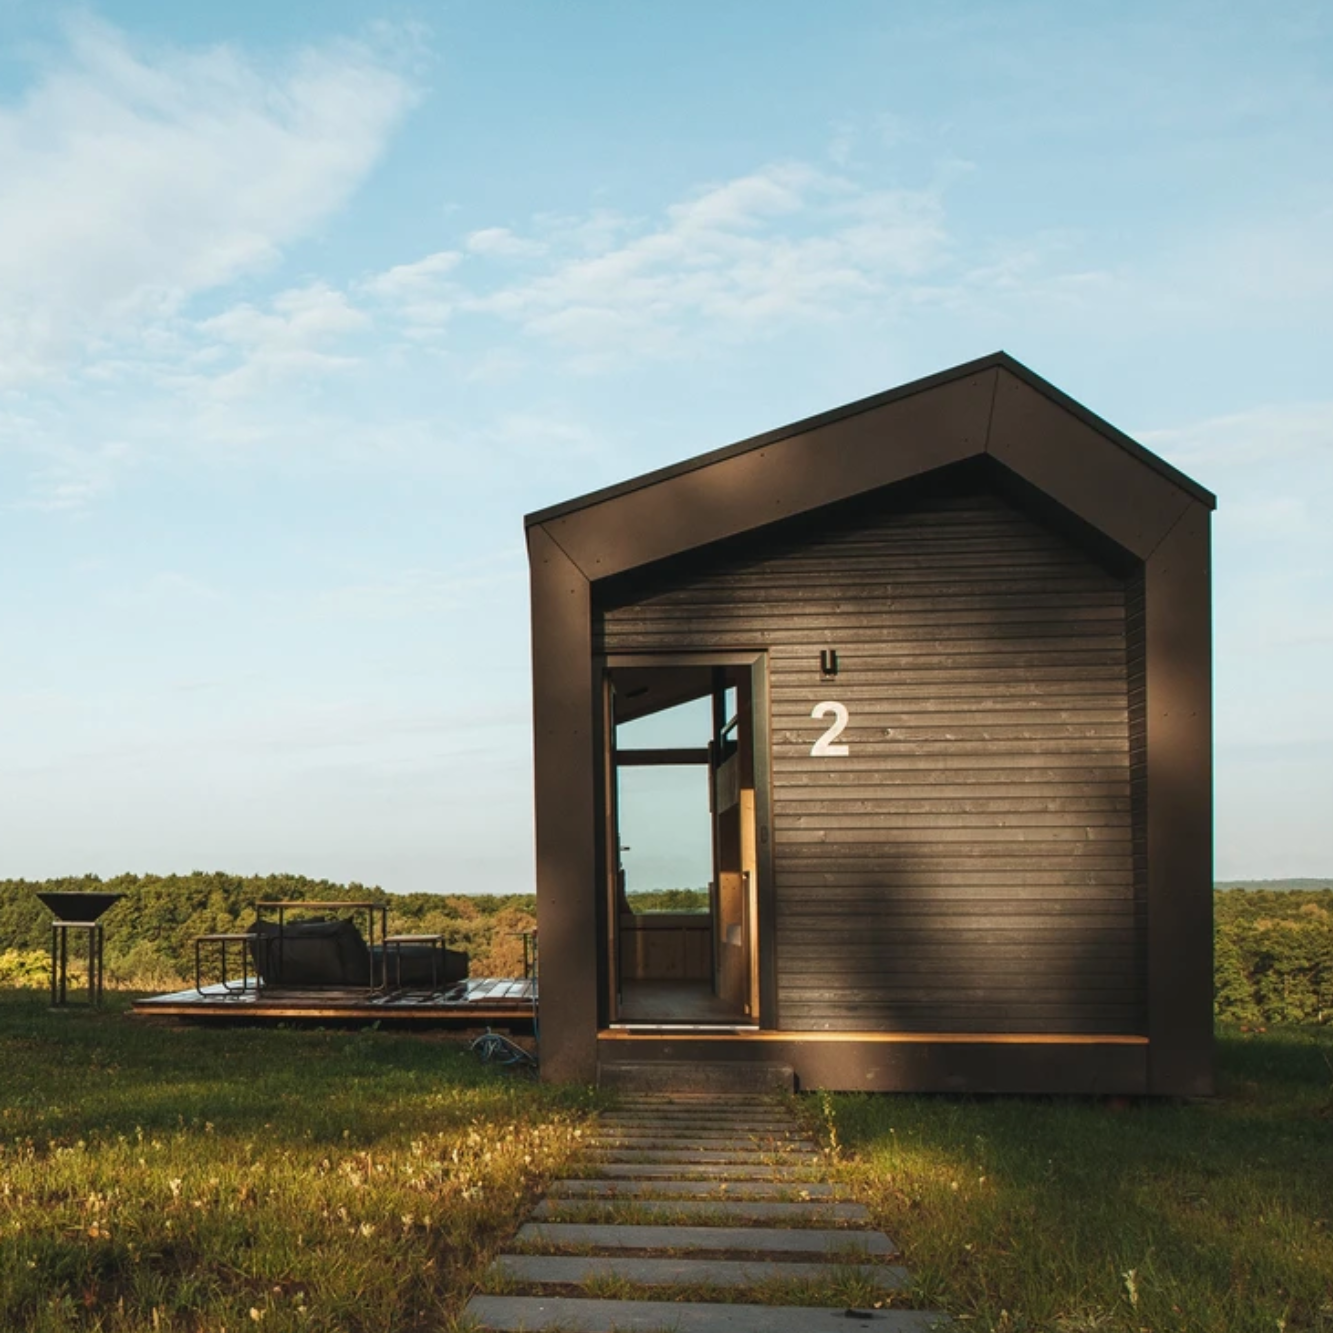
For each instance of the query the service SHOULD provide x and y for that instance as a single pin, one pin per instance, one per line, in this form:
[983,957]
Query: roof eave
[994,361]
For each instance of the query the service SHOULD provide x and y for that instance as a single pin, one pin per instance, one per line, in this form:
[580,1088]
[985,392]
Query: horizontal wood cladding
[971,863]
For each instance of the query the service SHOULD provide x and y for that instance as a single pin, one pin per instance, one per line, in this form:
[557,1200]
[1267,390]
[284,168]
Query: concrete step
[724,1210]
[693,1189]
[717,1078]
[705,1155]
[708,1105]
[691,1127]
[507,1314]
[794,1172]
[762,1143]
[693,1101]
[576,1269]
[697,1124]
[745,1240]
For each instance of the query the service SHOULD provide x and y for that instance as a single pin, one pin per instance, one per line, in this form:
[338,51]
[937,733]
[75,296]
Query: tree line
[150,934]
[1273,948]
[1273,955]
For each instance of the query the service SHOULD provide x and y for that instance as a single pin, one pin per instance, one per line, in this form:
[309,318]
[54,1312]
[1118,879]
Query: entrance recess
[685,765]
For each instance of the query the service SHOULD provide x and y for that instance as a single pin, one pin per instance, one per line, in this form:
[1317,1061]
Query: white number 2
[824,745]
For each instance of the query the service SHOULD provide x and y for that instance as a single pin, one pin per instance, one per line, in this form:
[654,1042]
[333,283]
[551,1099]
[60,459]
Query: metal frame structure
[1090,478]
[371,909]
[248,941]
[60,960]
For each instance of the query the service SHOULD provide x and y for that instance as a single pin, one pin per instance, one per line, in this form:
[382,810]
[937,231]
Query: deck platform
[506,1002]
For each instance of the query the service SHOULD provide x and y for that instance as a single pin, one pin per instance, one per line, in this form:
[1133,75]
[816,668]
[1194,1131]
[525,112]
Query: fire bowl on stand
[80,912]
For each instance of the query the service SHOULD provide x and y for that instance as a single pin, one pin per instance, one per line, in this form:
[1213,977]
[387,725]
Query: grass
[201,1180]
[1069,1215]
[162,1178]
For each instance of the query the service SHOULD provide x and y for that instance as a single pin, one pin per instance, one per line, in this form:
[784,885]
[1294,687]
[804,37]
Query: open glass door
[681,844]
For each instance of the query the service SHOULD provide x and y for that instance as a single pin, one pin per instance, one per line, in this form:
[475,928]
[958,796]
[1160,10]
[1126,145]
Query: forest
[1273,942]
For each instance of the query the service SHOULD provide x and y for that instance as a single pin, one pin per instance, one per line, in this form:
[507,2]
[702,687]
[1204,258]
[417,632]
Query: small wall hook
[828,663]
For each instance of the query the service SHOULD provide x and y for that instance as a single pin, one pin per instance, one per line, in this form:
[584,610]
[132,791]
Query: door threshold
[683,1027]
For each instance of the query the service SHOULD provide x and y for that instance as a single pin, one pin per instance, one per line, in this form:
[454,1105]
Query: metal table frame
[222,939]
[437,956]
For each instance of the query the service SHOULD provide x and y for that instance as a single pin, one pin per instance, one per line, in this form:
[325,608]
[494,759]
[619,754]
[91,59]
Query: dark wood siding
[969,865]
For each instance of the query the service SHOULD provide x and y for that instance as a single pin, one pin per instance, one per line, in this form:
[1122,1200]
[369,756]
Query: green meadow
[155,1177]
[1076,1215]
[173,1178]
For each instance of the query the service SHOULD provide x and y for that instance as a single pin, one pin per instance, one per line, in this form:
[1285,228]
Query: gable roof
[994,406]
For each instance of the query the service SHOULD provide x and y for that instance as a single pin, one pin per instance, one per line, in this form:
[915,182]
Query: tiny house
[947,656]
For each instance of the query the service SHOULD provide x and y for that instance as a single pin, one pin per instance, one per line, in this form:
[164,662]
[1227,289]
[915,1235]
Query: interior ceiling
[642,691]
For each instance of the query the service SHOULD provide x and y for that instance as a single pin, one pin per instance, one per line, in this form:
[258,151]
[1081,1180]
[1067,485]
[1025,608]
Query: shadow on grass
[1072,1214]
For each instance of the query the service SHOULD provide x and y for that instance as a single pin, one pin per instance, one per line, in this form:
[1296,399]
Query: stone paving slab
[697,1099]
[703,1171]
[703,1114]
[777,1129]
[712,1124]
[736,1143]
[700,1133]
[739,1210]
[575,1269]
[686,1129]
[737,1155]
[706,1105]
[745,1240]
[753,1112]
[577,1315]
[697,1133]
[692,1189]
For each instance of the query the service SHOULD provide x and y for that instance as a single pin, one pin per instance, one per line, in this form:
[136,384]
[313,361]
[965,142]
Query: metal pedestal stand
[77,912]
[60,959]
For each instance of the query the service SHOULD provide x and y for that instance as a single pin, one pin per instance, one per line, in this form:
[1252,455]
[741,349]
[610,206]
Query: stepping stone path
[703,1193]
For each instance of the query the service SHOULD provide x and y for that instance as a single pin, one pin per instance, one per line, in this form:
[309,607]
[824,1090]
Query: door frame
[764,937]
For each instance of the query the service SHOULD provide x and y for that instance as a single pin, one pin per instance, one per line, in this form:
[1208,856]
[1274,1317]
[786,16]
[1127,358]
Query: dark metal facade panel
[1071,1067]
[995,361]
[1179,808]
[564,761]
[968,865]
[846,457]
[1081,468]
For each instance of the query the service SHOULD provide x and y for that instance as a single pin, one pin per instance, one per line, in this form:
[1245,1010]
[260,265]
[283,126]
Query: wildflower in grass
[1131,1279]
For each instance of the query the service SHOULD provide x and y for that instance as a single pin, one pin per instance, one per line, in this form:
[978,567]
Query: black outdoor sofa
[333,953]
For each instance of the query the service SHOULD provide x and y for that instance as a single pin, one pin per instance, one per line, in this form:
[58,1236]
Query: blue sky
[302,306]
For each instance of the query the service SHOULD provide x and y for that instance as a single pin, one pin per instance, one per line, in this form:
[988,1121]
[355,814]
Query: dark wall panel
[970,864]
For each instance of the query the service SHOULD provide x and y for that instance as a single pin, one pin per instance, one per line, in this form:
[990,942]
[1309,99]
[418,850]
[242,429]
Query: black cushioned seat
[332,952]
[311,953]
[418,968]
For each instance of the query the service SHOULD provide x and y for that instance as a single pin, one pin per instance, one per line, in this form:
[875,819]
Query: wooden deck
[479,1001]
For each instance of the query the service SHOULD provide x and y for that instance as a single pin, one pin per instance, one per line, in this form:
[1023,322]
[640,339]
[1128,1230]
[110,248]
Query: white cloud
[289,339]
[72,477]
[131,179]
[501,243]
[407,281]
[1261,435]
[747,256]
[422,293]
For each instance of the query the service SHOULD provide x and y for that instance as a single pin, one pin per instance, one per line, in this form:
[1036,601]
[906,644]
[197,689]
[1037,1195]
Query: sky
[303,306]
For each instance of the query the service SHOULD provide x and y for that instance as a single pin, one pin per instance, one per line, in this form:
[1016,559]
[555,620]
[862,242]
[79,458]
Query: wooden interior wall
[666,946]
[969,865]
